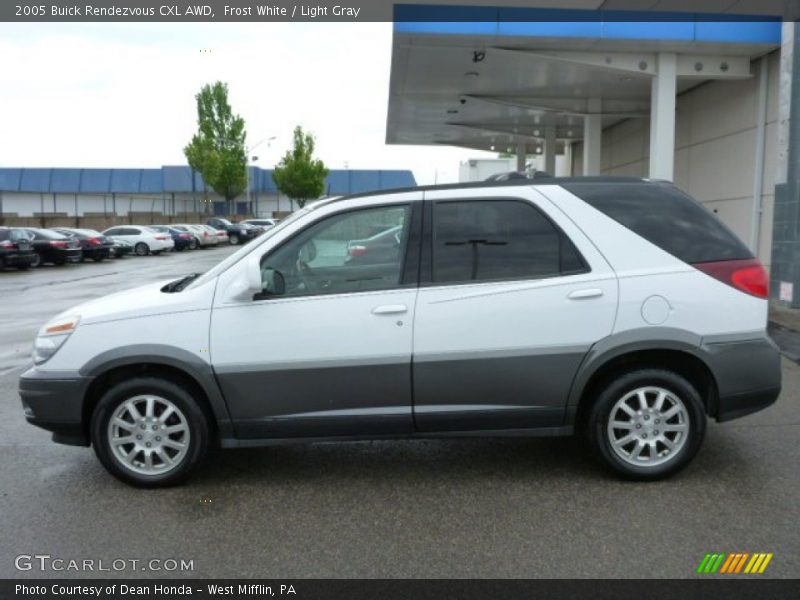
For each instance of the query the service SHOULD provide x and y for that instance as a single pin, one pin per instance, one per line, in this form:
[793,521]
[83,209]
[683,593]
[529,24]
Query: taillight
[161,237]
[58,244]
[357,251]
[205,234]
[221,233]
[184,236]
[6,244]
[94,241]
[746,275]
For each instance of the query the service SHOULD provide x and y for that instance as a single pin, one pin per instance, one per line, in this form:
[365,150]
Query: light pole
[247,158]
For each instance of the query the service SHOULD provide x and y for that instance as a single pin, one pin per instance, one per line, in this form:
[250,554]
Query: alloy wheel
[648,426]
[148,435]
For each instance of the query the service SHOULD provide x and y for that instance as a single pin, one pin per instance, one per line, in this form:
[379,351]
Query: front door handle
[390,309]
[582,294]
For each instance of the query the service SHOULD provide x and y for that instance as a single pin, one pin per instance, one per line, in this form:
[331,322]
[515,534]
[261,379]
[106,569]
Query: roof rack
[542,180]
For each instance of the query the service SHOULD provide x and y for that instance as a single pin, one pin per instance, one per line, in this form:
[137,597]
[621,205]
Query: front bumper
[748,375]
[54,401]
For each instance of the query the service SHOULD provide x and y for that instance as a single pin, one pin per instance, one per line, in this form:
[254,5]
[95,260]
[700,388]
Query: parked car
[237,234]
[263,223]
[94,245]
[201,233]
[183,239]
[376,249]
[619,308]
[222,235]
[257,230]
[121,248]
[15,249]
[53,247]
[144,239]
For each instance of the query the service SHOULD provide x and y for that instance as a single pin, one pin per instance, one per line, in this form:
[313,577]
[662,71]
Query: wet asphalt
[473,508]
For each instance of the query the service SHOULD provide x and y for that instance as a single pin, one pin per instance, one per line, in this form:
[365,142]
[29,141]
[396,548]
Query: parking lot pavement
[32,297]
[423,508]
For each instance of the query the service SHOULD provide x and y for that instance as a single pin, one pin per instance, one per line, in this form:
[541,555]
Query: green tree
[299,175]
[217,150]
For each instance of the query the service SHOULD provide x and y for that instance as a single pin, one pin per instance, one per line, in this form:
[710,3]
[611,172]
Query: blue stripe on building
[180,179]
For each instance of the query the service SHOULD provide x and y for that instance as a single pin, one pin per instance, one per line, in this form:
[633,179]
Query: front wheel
[149,432]
[37,261]
[141,249]
[647,424]
[98,258]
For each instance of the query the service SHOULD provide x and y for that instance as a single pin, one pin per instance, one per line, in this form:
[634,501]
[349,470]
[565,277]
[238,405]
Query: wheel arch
[675,350]
[156,360]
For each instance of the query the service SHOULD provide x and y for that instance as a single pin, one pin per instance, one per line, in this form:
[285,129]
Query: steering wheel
[306,275]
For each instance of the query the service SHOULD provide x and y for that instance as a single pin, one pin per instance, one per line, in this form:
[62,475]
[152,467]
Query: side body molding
[169,356]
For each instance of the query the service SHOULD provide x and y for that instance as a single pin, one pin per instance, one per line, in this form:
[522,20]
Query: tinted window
[114,231]
[334,255]
[666,217]
[498,239]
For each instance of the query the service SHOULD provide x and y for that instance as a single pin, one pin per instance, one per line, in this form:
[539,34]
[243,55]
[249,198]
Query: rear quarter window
[665,216]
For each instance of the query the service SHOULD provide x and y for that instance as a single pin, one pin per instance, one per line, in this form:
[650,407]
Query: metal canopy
[499,85]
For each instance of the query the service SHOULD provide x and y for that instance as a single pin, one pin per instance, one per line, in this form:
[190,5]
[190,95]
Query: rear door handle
[390,309]
[582,294]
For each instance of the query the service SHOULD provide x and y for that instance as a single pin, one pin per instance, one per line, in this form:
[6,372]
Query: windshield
[245,250]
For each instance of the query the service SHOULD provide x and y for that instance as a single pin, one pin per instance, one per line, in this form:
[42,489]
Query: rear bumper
[20,258]
[748,375]
[55,402]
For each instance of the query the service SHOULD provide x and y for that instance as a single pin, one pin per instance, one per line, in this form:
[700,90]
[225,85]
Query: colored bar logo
[734,563]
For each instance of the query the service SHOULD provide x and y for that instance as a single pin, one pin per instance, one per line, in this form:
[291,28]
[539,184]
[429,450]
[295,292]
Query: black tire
[37,261]
[233,239]
[2,263]
[195,417]
[141,249]
[98,258]
[155,252]
[617,388]
[23,267]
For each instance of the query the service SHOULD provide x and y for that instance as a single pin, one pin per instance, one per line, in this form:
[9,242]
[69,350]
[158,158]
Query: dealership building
[169,191]
[700,99]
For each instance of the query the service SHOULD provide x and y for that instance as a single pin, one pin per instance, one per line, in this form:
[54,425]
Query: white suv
[616,307]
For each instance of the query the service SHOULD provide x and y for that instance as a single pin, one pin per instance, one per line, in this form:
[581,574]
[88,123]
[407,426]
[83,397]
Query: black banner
[362,10]
[383,589]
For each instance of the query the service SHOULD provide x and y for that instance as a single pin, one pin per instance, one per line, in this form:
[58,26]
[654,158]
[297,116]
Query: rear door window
[666,217]
[486,240]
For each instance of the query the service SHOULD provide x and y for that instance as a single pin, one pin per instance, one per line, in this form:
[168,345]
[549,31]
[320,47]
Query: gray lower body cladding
[747,372]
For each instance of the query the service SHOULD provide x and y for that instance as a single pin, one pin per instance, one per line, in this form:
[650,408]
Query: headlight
[51,337]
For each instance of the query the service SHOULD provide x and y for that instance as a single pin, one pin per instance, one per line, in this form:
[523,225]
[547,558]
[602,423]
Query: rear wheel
[647,424]
[149,432]
[37,261]
[193,244]
[141,249]
[98,258]
[233,239]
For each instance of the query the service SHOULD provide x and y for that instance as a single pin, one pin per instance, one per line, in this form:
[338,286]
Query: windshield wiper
[179,284]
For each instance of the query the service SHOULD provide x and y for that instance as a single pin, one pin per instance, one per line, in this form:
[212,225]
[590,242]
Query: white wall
[715,146]
[27,204]
[478,169]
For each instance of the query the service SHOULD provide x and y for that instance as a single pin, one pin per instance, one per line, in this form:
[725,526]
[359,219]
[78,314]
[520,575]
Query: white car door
[331,355]
[512,296]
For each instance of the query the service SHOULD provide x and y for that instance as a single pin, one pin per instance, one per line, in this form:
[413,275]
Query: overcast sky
[113,95]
